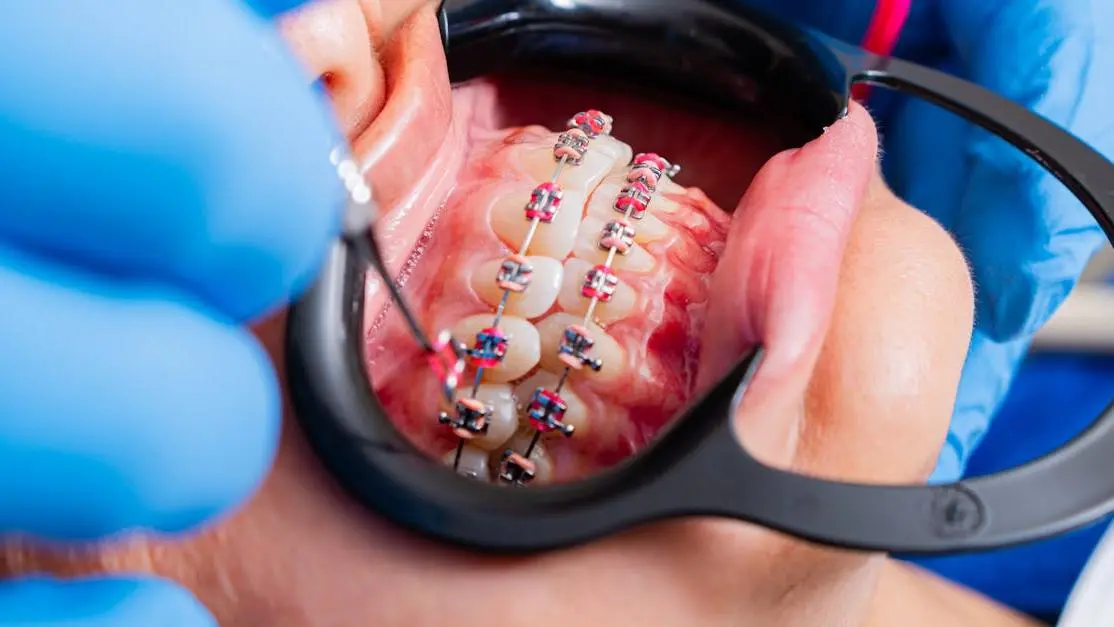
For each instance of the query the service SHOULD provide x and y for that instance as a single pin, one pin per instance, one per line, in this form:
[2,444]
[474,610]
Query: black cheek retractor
[720,53]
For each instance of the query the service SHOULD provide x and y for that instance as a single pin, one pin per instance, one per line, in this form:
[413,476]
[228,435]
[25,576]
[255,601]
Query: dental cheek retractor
[721,54]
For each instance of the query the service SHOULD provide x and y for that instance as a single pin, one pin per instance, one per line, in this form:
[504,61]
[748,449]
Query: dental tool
[726,56]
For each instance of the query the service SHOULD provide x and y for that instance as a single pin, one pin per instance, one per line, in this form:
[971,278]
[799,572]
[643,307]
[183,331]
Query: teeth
[553,239]
[598,161]
[570,299]
[504,416]
[587,247]
[474,462]
[602,206]
[577,413]
[606,349]
[523,345]
[536,299]
[620,152]
[540,456]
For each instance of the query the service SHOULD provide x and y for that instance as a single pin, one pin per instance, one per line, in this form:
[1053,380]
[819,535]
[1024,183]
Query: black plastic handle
[1066,489]
[698,467]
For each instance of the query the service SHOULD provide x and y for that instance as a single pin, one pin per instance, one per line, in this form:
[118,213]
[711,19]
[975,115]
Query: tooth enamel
[577,413]
[588,248]
[535,300]
[523,345]
[570,299]
[474,462]
[504,416]
[621,152]
[553,239]
[606,349]
[539,164]
[602,206]
[540,456]
[668,186]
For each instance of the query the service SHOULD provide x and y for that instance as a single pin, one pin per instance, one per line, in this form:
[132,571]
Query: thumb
[776,282]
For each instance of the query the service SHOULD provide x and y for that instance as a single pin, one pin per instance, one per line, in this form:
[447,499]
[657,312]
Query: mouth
[454,168]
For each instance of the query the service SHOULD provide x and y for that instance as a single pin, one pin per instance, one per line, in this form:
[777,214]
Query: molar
[533,301]
[606,349]
[577,413]
[503,421]
[523,345]
[620,306]
[474,462]
[553,239]
[587,247]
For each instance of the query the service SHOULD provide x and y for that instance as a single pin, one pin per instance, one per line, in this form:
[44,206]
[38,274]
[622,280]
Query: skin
[865,393]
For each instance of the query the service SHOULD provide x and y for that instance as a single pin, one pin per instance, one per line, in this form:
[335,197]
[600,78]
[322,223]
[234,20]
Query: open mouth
[457,170]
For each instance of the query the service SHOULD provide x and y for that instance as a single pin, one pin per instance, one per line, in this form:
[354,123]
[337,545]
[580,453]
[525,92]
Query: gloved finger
[1027,239]
[100,603]
[121,408]
[987,374]
[163,141]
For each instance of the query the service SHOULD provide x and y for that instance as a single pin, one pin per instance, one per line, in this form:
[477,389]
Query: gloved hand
[164,177]
[1026,238]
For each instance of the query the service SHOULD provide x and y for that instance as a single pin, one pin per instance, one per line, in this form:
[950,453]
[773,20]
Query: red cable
[882,34]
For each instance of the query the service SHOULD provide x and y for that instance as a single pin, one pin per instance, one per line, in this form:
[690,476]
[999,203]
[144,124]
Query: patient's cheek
[890,367]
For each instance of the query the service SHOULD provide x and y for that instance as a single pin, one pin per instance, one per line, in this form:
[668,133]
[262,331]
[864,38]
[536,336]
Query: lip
[404,151]
[397,146]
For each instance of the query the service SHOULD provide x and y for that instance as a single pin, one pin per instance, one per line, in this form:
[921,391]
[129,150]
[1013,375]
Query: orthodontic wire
[501,308]
[544,203]
[617,238]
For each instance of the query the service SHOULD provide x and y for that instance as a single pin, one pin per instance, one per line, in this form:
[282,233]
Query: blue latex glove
[1026,238]
[164,177]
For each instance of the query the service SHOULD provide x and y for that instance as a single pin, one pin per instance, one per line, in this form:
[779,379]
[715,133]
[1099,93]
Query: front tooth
[535,299]
[474,462]
[606,349]
[571,300]
[523,349]
[550,239]
[587,247]
[621,152]
[504,414]
[577,413]
[598,161]
[602,206]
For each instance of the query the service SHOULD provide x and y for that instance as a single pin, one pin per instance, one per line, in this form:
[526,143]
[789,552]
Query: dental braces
[546,408]
[470,417]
